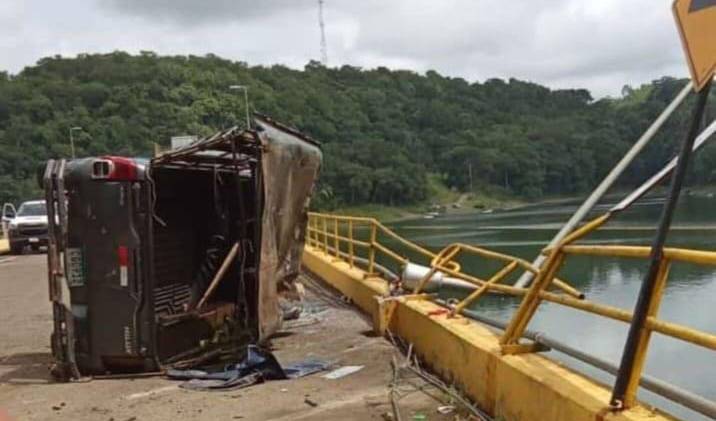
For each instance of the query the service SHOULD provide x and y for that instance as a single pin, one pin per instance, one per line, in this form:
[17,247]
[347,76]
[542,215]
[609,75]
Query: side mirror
[8,212]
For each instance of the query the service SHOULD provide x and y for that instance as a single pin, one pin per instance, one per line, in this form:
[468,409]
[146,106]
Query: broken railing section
[643,321]
[360,242]
[611,178]
[651,291]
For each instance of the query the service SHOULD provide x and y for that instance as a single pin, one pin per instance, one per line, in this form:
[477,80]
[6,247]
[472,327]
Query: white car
[27,226]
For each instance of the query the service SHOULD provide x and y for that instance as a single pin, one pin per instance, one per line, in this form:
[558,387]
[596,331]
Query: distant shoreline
[392,214]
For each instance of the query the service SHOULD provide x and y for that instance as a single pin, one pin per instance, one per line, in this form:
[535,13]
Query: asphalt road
[334,334]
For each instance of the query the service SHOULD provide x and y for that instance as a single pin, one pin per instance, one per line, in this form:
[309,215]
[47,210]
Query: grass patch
[439,194]
[382,213]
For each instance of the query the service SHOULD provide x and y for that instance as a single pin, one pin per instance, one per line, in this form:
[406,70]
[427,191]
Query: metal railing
[330,232]
[336,235]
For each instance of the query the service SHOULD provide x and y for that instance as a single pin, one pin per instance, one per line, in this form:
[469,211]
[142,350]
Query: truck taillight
[114,168]
[123,258]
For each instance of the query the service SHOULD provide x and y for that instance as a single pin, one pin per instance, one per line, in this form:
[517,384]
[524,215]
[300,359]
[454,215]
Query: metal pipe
[219,275]
[705,135]
[636,343]
[608,181]
[660,387]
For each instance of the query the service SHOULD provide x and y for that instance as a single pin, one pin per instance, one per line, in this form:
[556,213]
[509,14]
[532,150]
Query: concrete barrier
[4,246]
[526,387]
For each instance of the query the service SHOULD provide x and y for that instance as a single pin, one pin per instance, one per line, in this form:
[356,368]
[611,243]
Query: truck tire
[15,248]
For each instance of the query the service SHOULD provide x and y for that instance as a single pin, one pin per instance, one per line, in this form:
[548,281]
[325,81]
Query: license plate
[75,267]
[34,240]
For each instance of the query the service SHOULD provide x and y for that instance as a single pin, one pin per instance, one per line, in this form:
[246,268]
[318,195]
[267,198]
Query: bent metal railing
[336,235]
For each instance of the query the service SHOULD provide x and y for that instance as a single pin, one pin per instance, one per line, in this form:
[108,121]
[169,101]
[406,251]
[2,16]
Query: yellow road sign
[696,20]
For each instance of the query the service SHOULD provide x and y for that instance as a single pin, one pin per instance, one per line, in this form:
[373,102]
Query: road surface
[335,334]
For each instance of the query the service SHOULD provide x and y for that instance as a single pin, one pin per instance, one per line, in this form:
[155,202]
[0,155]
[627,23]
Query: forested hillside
[383,131]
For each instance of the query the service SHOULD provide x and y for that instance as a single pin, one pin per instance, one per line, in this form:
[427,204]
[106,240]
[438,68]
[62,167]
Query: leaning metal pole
[705,135]
[635,344]
[608,181]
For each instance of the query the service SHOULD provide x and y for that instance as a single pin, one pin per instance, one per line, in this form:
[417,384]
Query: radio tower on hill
[324,46]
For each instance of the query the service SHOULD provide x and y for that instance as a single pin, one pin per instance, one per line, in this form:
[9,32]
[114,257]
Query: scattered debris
[387,416]
[292,313]
[438,312]
[410,374]
[258,366]
[310,402]
[343,372]
[151,392]
[394,391]
[302,322]
[446,409]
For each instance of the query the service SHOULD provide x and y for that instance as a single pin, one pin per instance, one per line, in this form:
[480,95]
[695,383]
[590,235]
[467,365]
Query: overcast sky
[599,44]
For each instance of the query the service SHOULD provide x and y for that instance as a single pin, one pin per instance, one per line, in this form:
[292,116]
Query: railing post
[325,235]
[645,335]
[531,302]
[350,242]
[309,232]
[336,241]
[316,233]
[635,343]
[371,250]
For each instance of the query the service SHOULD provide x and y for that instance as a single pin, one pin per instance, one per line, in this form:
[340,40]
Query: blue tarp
[259,365]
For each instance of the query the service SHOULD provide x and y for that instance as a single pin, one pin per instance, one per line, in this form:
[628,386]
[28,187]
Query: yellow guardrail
[334,233]
[325,231]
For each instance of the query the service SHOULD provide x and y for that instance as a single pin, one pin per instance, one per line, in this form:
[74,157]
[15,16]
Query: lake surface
[689,299]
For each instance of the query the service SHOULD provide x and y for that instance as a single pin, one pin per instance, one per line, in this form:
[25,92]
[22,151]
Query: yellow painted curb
[4,246]
[467,354]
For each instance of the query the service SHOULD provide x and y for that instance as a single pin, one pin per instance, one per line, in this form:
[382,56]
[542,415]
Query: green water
[690,296]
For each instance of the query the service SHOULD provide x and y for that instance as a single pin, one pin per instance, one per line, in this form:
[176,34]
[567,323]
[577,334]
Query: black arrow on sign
[698,5]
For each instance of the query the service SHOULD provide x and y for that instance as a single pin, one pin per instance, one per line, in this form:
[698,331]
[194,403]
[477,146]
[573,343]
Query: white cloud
[599,45]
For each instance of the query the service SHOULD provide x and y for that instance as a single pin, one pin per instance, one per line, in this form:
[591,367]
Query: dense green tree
[383,131]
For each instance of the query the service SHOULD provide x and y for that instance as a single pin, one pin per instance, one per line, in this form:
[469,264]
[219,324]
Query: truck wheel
[16,248]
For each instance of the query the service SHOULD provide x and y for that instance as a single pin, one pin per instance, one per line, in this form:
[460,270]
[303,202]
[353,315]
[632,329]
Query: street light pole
[72,139]
[246,101]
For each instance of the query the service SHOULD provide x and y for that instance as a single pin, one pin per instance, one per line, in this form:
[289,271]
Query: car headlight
[14,225]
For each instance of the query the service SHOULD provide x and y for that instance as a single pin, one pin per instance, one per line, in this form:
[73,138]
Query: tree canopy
[382,130]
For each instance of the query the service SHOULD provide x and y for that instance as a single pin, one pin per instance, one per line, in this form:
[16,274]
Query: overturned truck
[179,258]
